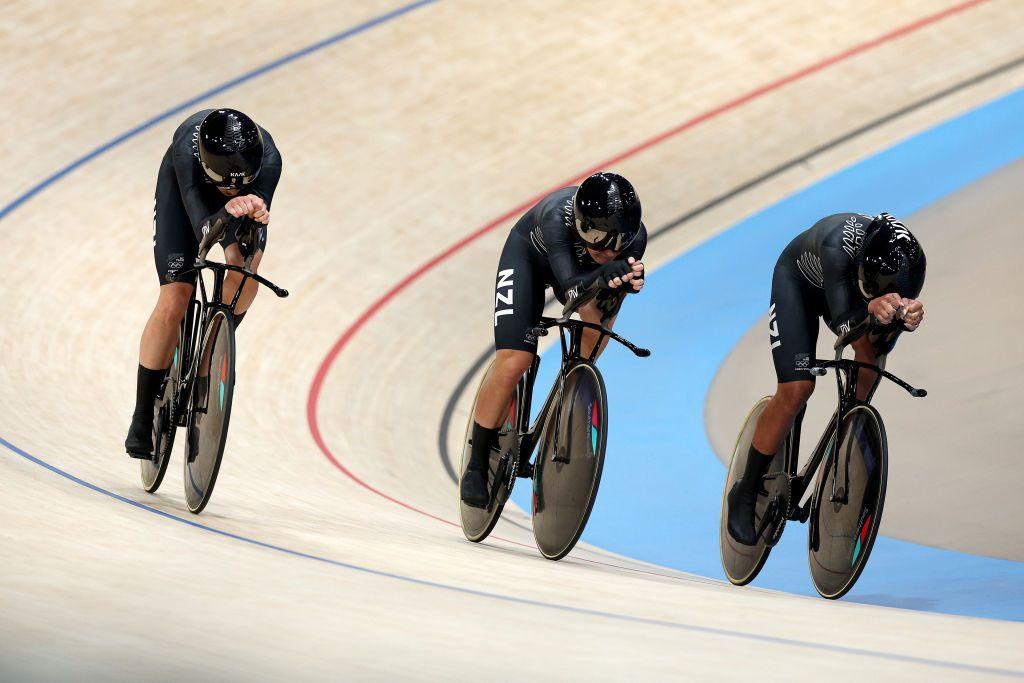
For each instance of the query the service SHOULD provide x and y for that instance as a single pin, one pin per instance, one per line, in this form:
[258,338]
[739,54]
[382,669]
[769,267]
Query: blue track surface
[661,492]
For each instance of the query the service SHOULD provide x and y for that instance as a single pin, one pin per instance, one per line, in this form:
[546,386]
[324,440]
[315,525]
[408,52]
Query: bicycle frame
[200,311]
[572,353]
[847,377]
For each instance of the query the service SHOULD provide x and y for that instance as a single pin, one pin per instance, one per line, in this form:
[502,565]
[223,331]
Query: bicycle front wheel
[569,465]
[209,410]
[842,531]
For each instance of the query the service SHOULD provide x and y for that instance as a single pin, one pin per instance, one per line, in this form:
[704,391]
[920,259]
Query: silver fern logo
[810,266]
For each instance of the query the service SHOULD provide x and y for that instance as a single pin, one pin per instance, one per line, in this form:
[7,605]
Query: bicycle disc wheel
[568,470]
[164,426]
[743,562]
[209,411]
[477,523]
[841,535]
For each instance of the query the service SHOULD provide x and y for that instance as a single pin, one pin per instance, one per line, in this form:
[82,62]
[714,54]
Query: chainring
[779,490]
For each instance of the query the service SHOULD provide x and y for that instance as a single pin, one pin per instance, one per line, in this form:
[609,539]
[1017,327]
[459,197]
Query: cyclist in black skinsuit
[862,275]
[570,239]
[220,169]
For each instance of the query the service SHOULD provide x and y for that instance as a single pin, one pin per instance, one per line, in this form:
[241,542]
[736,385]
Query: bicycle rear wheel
[209,410]
[569,466]
[743,562]
[477,523]
[164,425]
[841,535]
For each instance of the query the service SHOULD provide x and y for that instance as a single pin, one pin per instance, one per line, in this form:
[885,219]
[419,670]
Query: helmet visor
[600,240]
[232,181]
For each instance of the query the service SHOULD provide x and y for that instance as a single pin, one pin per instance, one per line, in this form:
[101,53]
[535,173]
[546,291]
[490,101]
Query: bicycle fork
[559,450]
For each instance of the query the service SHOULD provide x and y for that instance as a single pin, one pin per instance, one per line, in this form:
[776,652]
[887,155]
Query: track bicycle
[571,432]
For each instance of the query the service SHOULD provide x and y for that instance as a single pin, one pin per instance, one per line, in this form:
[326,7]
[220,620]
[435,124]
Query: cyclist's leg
[160,335]
[518,305]
[793,328]
[174,250]
[234,256]
[793,334]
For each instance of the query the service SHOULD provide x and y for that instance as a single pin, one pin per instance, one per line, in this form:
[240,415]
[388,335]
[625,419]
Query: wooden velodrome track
[411,139]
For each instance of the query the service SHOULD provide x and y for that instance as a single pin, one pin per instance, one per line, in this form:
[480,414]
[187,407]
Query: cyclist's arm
[562,260]
[189,183]
[638,247]
[883,337]
[270,174]
[570,278]
[847,308]
[213,228]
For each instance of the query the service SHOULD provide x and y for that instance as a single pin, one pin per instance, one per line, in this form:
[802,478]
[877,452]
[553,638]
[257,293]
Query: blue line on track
[216,90]
[691,628]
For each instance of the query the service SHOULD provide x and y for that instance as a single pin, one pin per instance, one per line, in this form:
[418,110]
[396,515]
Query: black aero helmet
[607,211]
[230,148]
[890,260]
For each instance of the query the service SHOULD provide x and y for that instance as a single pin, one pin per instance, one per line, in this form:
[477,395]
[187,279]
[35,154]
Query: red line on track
[325,365]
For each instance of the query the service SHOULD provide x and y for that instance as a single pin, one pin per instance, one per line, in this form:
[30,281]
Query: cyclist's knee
[510,364]
[254,265]
[173,301]
[233,255]
[865,350]
[792,396]
[231,281]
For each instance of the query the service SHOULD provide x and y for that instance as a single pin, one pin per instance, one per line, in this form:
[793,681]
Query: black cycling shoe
[473,489]
[742,498]
[742,501]
[139,443]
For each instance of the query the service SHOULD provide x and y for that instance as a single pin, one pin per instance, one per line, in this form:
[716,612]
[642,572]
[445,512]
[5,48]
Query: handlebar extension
[547,323]
[821,367]
[213,265]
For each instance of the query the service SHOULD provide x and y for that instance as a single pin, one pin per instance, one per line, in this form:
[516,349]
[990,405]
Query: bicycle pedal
[525,471]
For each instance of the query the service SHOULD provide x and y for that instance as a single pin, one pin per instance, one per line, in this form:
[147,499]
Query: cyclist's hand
[636,275]
[913,314]
[248,205]
[885,307]
[613,273]
[239,206]
[260,214]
